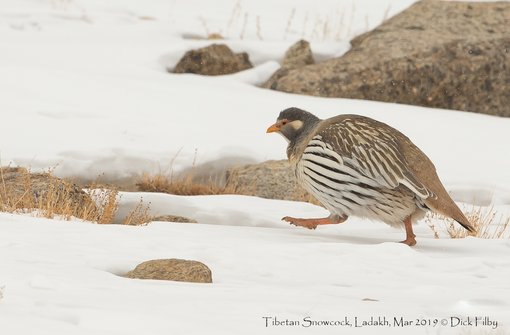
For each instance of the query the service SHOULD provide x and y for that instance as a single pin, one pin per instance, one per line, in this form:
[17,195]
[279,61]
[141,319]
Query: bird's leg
[313,223]
[410,237]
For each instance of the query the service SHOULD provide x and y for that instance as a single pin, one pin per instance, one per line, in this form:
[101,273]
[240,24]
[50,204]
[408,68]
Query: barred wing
[364,150]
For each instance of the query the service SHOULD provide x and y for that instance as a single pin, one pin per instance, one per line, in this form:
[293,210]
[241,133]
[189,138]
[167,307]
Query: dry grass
[44,195]
[179,186]
[182,185]
[140,215]
[487,223]
[259,30]
[107,202]
[187,186]
[336,25]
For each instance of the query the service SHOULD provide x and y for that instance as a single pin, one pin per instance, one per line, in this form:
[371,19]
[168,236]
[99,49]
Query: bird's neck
[300,141]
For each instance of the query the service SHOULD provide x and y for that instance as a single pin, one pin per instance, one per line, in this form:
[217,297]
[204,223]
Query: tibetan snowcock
[357,166]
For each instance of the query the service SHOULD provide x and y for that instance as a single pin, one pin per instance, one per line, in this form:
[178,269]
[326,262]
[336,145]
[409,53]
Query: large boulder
[213,60]
[172,269]
[445,54]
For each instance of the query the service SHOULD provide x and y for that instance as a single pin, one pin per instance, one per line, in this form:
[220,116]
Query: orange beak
[275,127]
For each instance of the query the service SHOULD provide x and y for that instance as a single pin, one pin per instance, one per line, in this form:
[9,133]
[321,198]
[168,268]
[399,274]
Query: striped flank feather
[365,182]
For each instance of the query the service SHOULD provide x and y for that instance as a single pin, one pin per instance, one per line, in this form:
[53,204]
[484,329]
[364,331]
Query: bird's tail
[451,210]
[464,222]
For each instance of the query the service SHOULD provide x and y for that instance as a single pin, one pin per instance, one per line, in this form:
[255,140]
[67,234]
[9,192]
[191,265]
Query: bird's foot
[410,241]
[307,223]
[313,223]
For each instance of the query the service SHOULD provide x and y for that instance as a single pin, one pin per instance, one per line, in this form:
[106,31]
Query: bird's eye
[284,123]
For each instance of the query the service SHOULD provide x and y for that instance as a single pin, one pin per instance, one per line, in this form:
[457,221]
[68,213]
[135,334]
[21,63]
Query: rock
[21,189]
[213,60]
[270,179]
[173,218]
[172,269]
[298,55]
[215,36]
[444,54]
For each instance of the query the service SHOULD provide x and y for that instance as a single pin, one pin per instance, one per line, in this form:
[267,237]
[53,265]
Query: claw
[313,223]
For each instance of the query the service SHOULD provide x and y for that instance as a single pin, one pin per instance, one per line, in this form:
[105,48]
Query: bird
[357,166]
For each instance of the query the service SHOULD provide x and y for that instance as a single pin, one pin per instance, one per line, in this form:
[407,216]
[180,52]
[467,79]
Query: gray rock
[172,269]
[213,60]
[270,179]
[445,54]
[298,55]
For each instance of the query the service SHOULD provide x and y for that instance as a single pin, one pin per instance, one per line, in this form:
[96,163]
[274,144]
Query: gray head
[294,123]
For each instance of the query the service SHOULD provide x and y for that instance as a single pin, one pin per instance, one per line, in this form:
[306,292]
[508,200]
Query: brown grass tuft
[140,215]
[107,200]
[487,223]
[46,196]
[43,194]
[179,186]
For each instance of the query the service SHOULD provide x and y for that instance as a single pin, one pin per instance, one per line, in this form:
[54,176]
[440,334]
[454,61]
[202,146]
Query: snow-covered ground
[84,88]
[62,277]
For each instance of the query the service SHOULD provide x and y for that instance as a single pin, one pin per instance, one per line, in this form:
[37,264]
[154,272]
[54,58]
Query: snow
[64,277]
[85,89]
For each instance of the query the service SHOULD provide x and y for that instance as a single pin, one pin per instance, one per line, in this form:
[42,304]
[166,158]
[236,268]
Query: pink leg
[410,237]
[313,223]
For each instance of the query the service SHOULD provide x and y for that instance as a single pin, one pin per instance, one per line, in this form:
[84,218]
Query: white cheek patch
[296,124]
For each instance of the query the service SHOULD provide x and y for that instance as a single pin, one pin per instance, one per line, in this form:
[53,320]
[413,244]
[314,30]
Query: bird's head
[293,123]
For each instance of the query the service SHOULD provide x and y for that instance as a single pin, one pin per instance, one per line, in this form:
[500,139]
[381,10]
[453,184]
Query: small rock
[213,60]
[298,55]
[172,269]
[173,218]
[215,36]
